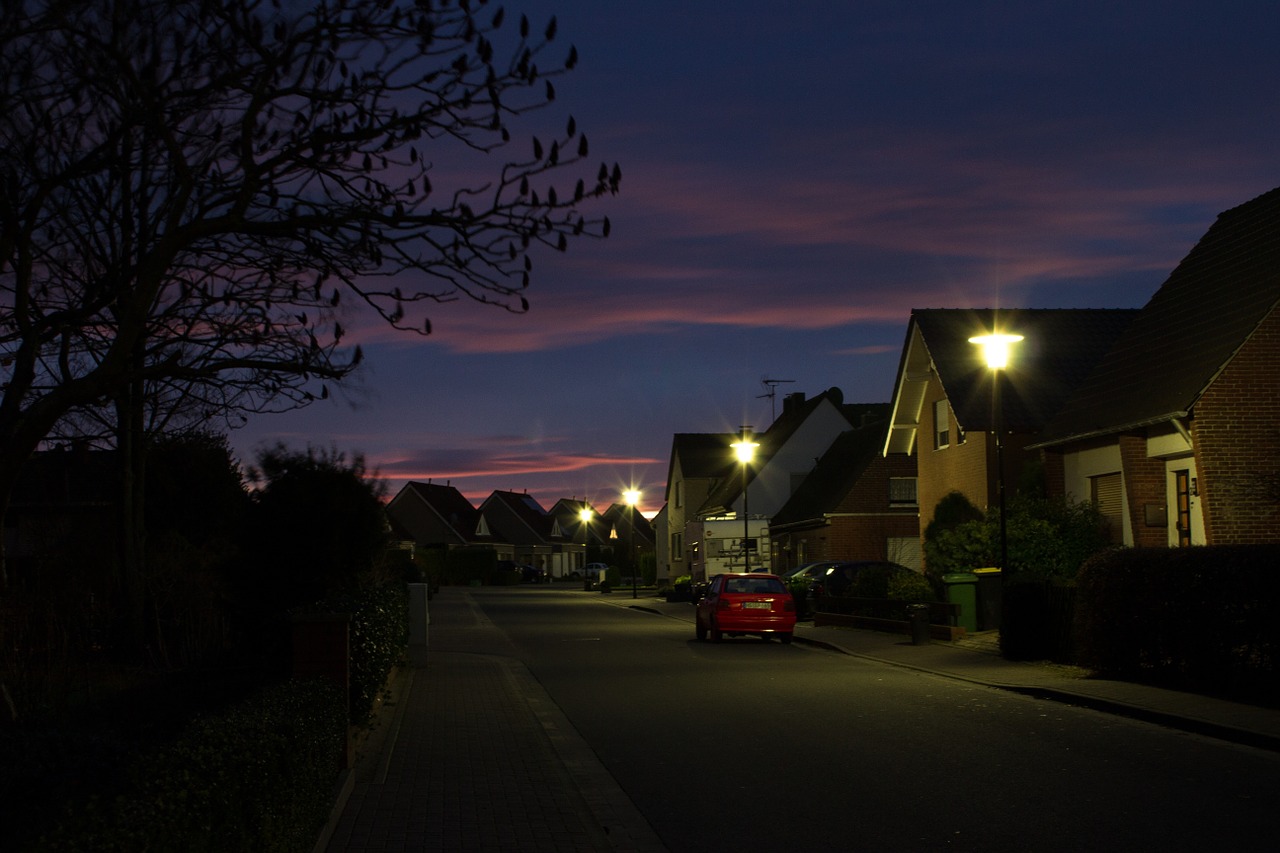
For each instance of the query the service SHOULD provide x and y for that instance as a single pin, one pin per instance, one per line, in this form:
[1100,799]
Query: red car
[746,604]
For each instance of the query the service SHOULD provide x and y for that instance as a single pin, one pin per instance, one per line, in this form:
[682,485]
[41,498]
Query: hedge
[1201,618]
[257,777]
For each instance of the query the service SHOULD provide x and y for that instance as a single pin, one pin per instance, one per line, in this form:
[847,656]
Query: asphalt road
[748,745]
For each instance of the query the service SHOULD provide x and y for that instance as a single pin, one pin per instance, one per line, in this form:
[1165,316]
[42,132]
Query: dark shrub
[1200,618]
[258,777]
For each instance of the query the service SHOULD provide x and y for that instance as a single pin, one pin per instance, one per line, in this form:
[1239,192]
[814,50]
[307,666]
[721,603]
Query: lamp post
[632,497]
[995,350]
[584,515]
[745,451]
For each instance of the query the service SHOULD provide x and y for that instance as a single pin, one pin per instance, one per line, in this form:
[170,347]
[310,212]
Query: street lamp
[995,350]
[745,451]
[632,497]
[584,515]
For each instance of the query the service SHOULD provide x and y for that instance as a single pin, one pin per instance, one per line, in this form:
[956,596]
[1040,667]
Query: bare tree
[197,193]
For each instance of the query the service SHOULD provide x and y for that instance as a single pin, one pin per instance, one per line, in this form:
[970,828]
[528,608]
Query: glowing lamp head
[995,348]
[745,450]
[585,515]
[631,497]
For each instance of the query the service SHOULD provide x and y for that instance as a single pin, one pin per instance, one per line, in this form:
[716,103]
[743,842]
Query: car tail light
[789,605]
[724,604]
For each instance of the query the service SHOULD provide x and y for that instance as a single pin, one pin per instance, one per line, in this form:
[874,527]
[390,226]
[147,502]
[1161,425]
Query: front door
[1182,505]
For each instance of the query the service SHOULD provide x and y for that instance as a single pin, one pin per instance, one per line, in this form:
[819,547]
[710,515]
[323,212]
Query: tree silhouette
[199,195]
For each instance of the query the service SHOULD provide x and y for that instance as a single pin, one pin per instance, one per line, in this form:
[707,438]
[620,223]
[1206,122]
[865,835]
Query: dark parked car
[835,577]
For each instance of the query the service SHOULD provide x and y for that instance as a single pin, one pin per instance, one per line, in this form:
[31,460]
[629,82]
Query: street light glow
[745,450]
[995,348]
[631,497]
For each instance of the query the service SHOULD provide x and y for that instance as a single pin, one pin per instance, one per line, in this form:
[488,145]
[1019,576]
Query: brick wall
[1144,483]
[959,467]
[1236,430]
[862,523]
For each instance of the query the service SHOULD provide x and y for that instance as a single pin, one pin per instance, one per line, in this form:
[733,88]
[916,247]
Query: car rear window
[757,586]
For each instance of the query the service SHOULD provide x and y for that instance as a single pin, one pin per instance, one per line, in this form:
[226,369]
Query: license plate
[756,605]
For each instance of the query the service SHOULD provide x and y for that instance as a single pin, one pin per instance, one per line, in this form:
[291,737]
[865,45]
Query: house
[711,532]
[630,533]
[1176,434]
[948,407]
[435,516]
[520,527]
[571,536]
[856,504]
[699,461]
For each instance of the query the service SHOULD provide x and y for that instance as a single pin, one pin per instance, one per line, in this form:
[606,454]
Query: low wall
[891,626]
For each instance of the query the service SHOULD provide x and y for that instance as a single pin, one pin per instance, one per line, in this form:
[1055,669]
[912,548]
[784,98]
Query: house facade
[1175,434]
[949,407]
[856,504]
[699,461]
[434,515]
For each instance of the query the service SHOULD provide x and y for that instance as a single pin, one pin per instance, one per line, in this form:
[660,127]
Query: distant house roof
[836,473]
[448,504]
[629,523]
[702,455]
[566,520]
[516,518]
[1207,308]
[1061,346]
[796,409]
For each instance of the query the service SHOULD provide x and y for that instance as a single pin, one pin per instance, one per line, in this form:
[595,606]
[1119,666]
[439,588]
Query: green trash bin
[962,589]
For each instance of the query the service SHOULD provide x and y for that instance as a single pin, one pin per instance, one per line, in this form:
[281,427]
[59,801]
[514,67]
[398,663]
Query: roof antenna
[772,393]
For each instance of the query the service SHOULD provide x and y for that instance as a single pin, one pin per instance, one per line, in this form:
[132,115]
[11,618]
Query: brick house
[945,398]
[856,504]
[1176,435]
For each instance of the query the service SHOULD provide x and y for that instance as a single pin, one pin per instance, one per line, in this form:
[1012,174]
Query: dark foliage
[1199,618]
[256,778]
[318,528]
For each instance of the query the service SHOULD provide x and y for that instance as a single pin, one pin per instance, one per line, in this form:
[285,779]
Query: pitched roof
[566,517]
[524,522]
[701,455]
[1060,348]
[629,523]
[836,473]
[1207,308]
[447,503]
[795,412]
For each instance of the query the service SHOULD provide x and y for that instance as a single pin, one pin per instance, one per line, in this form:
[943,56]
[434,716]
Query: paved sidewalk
[470,753]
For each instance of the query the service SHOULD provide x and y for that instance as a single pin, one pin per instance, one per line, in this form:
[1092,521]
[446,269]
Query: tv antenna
[772,393]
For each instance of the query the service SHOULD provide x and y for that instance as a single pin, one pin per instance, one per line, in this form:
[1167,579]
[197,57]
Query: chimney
[791,402]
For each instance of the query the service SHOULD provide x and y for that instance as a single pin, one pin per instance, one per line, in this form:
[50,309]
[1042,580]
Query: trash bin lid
[960,577]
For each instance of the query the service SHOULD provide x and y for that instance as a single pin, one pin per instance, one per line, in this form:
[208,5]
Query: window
[941,425]
[902,491]
[1107,495]
[679,493]
[677,546]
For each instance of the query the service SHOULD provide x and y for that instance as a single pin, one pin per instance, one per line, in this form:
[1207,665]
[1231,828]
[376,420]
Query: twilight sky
[797,178]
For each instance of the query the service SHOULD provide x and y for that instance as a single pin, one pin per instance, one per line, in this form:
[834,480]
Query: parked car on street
[530,574]
[736,604]
[837,578]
